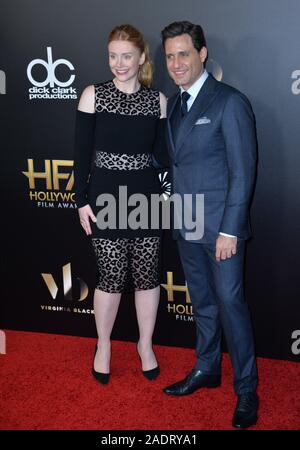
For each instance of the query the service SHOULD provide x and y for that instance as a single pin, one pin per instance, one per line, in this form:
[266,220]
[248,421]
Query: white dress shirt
[194,91]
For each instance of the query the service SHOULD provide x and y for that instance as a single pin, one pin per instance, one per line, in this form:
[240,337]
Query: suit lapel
[174,100]
[204,98]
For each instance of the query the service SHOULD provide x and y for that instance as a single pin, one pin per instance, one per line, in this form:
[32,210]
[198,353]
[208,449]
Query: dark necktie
[184,98]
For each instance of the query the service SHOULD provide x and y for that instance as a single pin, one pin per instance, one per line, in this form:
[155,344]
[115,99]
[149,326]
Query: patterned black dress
[114,146]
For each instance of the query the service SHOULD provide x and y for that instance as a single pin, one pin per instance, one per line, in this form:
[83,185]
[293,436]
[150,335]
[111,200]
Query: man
[212,145]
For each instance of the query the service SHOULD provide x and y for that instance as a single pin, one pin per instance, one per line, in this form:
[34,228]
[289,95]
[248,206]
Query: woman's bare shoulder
[87,100]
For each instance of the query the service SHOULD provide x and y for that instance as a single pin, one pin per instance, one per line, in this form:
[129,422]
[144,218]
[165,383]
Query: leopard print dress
[128,258]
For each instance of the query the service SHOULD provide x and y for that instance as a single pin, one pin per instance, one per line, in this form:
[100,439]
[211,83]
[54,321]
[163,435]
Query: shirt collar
[195,88]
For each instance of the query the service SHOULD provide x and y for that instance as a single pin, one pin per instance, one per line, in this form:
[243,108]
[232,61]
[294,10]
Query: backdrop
[49,52]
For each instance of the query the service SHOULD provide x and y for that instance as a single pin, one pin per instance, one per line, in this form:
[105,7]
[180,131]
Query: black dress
[114,146]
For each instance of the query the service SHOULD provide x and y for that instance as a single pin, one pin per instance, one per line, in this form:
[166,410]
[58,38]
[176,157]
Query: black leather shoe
[245,413]
[103,378]
[195,380]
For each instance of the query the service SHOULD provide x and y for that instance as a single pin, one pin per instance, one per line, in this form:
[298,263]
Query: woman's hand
[85,214]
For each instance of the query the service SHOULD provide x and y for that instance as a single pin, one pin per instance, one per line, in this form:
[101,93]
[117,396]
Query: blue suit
[213,152]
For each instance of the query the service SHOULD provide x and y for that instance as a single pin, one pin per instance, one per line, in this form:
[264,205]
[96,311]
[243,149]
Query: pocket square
[202,121]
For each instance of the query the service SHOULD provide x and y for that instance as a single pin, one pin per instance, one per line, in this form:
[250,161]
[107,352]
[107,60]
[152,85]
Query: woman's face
[124,59]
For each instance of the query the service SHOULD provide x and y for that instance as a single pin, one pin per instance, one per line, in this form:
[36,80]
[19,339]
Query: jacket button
[175,164]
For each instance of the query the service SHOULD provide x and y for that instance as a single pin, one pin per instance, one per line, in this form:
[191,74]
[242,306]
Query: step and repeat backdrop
[49,52]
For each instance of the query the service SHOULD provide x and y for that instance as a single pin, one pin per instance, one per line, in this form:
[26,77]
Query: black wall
[256,44]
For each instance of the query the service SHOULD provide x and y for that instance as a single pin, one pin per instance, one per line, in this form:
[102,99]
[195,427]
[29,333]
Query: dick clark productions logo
[50,87]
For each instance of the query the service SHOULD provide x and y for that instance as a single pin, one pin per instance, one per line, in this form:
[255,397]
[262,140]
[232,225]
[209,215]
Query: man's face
[184,62]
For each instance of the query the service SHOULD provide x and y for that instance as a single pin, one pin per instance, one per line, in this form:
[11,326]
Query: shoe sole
[248,424]
[211,386]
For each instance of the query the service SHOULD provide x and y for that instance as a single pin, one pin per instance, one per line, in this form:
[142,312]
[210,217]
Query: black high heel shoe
[103,378]
[151,374]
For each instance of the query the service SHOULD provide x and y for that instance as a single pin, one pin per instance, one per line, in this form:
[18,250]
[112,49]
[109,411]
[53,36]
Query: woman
[116,125]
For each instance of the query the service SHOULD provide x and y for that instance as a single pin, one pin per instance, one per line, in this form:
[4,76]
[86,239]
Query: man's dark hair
[185,27]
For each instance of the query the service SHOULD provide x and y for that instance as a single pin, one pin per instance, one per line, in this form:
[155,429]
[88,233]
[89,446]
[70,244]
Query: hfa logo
[40,91]
[57,184]
[182,311]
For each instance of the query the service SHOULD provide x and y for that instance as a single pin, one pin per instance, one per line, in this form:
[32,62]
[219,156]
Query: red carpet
[46,384]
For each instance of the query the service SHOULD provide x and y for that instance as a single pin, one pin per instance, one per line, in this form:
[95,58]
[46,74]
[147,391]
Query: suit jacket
[213,152]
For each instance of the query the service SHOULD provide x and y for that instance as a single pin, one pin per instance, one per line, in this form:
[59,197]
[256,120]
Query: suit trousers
[217,294]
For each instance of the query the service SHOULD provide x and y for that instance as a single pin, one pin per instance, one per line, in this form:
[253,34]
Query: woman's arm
[83,151]
[160,156]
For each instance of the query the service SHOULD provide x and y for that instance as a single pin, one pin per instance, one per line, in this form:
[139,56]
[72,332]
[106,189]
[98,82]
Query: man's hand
[85,214]
[225,247]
